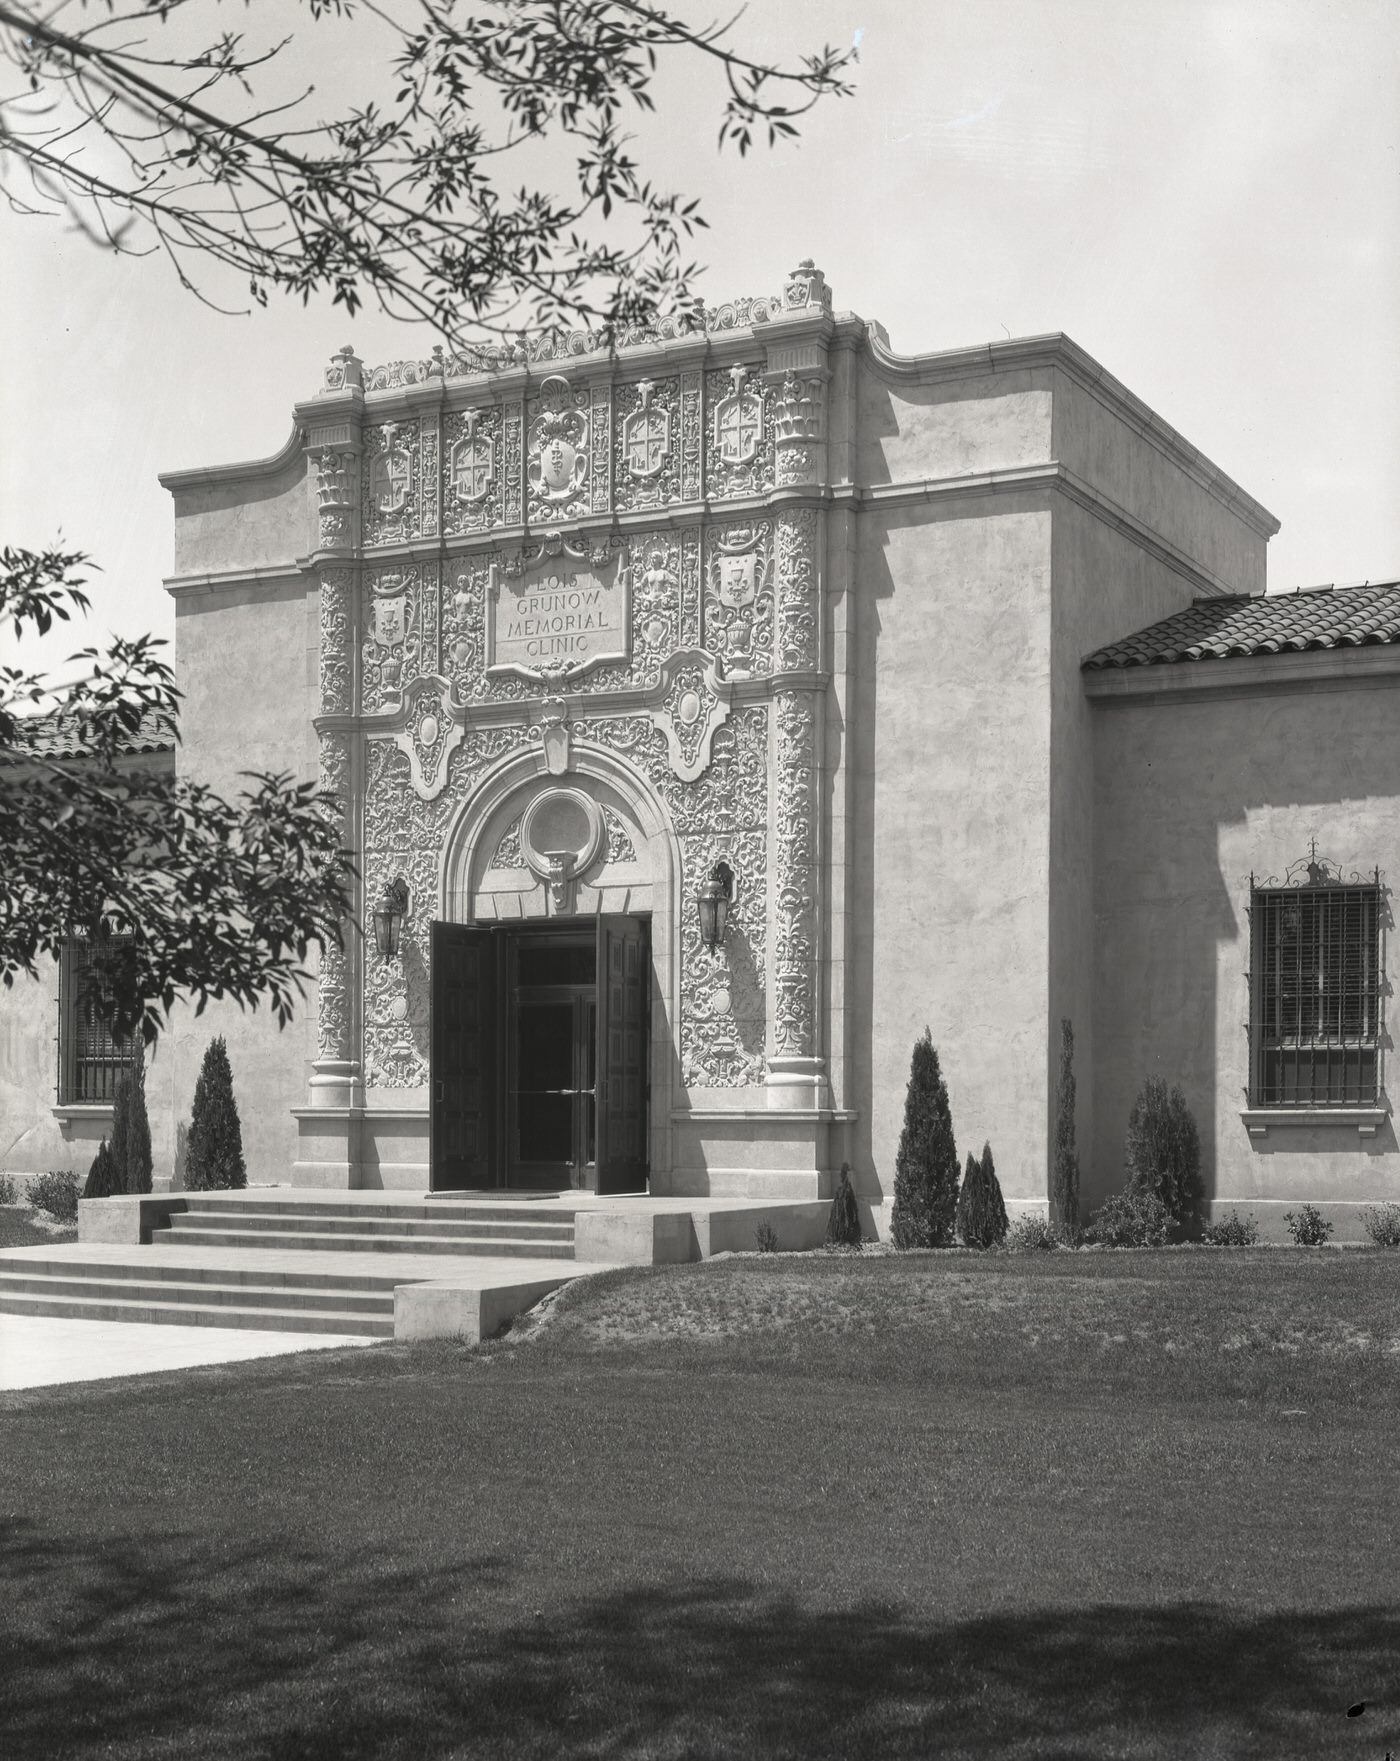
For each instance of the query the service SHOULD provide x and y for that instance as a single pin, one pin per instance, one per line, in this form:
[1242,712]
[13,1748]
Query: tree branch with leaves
[147,128]
[176,891]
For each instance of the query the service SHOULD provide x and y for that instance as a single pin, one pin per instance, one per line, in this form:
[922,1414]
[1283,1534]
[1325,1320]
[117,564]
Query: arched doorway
[551,952]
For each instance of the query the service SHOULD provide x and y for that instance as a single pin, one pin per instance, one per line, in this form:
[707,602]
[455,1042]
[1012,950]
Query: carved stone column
[336,1070]
[796,1074]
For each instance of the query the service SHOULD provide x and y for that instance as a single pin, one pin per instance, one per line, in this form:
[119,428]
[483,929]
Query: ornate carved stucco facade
[606,569]
[752,588]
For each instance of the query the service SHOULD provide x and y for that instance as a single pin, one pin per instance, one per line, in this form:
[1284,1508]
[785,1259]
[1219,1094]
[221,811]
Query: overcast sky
[1204,195]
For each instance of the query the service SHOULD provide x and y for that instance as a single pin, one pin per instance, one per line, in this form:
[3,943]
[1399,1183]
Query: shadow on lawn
[174,1650]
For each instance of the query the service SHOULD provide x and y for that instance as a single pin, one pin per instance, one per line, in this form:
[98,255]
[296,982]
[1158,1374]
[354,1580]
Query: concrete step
[130,1286]
[429,1210]
[145,1266]
[368,1242]
[201,1314]
[449,1228]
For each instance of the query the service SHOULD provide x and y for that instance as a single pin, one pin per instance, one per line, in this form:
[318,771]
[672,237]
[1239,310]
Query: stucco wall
[1099,444]
[1191,797]
[242,517]
[913,429]
[246,660]
[949,745]
[1106,585]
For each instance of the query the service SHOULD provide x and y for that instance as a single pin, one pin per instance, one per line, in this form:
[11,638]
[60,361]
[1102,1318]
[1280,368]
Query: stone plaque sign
[560,616]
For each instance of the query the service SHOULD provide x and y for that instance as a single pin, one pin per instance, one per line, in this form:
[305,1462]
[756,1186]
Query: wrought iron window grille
[91,1059]
[1316,987]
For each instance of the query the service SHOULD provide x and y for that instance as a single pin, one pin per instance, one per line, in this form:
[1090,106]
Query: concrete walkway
[39,1352]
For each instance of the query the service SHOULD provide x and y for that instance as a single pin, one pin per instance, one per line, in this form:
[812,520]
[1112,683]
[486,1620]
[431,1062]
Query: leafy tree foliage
[926,1164]
[152,125]
[981,1214]
[102,1175]
[843,1222]
[1064,1175]
[1163,1150]
[178,891]
[214,1154]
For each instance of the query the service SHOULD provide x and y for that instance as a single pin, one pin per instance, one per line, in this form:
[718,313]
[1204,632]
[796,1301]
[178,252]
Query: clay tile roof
[60,736]
[1276,623]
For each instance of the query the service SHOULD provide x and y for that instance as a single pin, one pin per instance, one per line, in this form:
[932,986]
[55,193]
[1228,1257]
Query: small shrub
[214,1149]
[1382,1224]
[1132,1218]
[1231,1231]
[56,1193]
[1163,1151]
[103,1180]
[843,1223]
[1032,1234]
[767,1238]
[1308,1227]
[981,1215]
[1064,1171]
[131,1131]
[926,1163]
[9,1191]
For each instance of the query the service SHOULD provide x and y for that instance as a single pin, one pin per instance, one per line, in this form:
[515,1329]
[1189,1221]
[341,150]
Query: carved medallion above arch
[529,845]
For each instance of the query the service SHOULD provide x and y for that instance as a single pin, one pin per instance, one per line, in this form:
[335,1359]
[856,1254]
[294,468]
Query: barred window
[1315,989]
[90,1059]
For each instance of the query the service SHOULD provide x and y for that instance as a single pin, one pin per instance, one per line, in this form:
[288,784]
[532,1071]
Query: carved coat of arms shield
[646,440]
[389,621]
[471,467]
[388,480]
[558,445]
[738,424]
[738,579]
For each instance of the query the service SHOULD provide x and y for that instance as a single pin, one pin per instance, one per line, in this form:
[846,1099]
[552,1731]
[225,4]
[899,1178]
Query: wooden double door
[540,1048]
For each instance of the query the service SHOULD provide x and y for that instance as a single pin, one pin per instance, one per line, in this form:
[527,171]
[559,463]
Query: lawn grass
[1065,1505]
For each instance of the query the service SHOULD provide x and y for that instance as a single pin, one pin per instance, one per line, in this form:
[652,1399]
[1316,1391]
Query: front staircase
[305,1265]
[415,1226]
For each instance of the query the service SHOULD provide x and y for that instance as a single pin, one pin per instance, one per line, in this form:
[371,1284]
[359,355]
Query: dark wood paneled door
[462,1056]
[540,1055]
[624,993]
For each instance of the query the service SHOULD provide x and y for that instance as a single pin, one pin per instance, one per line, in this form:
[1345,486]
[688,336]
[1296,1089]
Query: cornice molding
[249,470]
[230,580]
[1051,477]
[1018,479]
[1247,675]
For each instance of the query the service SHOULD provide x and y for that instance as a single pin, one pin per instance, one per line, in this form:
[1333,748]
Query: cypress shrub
[1064,1175]
[926,1166]
[131,1130]
[139,1163]
[214,1154]
[102,1175]
[116,1143]
[843,1222]
[981,1217]
[1163,1151]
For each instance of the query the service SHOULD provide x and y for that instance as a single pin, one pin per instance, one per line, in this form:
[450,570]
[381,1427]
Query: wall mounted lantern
[713,900]
[389,914]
